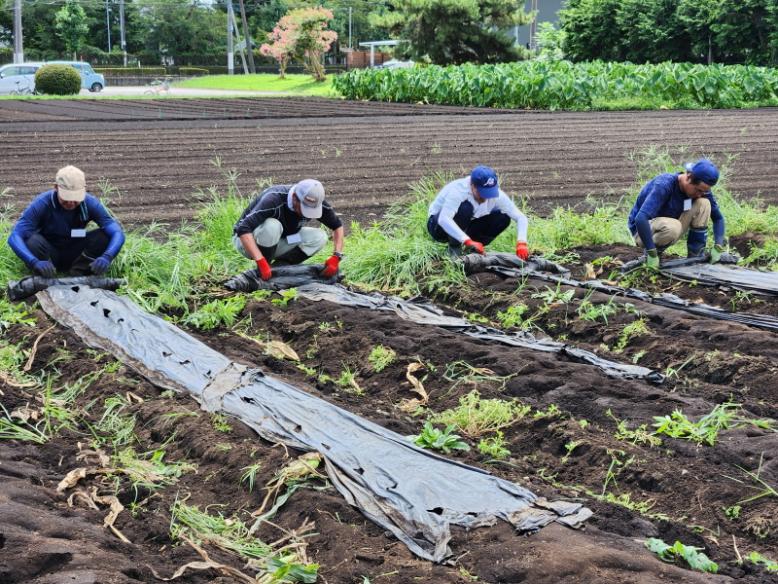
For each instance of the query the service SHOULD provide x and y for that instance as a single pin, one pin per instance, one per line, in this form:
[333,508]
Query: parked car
[395,64]
[90,80]
[18,78]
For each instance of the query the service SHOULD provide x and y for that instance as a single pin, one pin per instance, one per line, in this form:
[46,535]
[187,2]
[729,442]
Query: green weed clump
[475,416]
[437,439]
[494,446]
[380,358]
[216,313]
[689,554]
[706,430]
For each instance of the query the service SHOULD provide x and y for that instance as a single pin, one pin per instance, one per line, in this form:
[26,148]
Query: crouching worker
[51,234]
[473,211]
[671,205]
[272,230]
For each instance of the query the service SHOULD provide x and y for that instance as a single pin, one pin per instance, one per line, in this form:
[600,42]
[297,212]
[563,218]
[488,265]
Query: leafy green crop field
[565,85]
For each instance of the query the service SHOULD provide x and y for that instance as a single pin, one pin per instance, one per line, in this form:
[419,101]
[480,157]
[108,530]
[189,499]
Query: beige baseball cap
[71,184]
[311,195]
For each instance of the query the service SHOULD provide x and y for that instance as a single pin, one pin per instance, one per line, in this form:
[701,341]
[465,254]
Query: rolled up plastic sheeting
[283,277]
[513,268]
[423,313]
[31,285]
[475,263]
[409,491]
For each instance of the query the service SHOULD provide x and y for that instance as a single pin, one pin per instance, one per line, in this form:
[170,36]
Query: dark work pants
[75,256]
[484,229]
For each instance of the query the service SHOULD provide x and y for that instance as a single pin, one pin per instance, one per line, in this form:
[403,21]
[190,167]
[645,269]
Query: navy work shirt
[46,216]
[662,197]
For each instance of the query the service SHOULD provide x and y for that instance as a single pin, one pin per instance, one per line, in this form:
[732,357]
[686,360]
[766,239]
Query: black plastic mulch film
[508,265]
[312,286]
[409,491]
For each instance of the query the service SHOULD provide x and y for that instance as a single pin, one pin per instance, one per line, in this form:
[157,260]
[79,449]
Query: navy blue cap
[485,181]
[704,170]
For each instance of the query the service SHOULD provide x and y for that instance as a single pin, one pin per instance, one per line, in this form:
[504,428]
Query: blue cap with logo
[485,181]
[704,170]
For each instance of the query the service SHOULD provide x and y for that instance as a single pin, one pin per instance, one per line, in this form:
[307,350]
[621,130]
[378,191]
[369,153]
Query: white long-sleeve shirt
[451,196]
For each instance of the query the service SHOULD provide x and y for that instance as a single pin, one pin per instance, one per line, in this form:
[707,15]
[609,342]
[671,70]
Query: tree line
[193,32]
[652,31]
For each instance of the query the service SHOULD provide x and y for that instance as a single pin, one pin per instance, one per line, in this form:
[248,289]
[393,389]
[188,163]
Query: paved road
[177,92]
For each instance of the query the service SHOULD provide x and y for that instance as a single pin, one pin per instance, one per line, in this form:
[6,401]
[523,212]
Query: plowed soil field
[584,436]
[157,153]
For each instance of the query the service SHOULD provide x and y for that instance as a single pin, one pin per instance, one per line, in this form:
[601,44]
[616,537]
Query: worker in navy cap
[473,211]
[672,204]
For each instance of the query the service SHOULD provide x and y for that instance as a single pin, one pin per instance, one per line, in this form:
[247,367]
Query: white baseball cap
[310,193]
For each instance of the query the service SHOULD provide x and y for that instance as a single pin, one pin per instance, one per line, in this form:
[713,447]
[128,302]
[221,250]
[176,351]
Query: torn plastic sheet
[723,275]
[283,277]
[26,287]
[422,313]
[666,265]
[409,491]
[509,266]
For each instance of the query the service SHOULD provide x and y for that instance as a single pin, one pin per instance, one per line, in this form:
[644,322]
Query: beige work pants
[269,232]
[666,230]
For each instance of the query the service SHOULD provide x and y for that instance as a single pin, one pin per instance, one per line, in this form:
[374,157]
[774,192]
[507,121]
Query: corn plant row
[566,85]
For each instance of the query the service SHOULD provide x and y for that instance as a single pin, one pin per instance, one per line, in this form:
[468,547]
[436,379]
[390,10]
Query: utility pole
[240,49]
[121,29]
[18,42]
[350,9]
[108,22]
[230,48]
[533,27]
[247,37]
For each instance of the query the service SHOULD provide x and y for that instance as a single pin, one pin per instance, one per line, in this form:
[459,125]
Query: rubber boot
[268,252]
[454,250]
[695,242]
[292,257]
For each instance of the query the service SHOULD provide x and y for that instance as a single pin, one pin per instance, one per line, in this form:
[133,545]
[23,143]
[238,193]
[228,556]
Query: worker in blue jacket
[51,234]
[671,204]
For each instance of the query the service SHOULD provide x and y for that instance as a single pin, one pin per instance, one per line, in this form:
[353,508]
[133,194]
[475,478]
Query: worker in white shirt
[473,211]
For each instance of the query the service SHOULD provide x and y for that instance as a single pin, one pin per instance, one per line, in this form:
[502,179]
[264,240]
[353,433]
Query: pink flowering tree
[281,47]
[302,34]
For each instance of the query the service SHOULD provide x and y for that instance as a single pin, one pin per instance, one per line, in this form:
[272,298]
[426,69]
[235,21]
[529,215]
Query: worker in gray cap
[51,234]
[273,228]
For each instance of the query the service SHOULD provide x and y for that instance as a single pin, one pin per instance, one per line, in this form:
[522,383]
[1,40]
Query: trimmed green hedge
[566,85]
[57,80]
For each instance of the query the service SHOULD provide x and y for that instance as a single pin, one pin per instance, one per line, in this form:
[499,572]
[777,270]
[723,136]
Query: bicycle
[26,90]
[158,87]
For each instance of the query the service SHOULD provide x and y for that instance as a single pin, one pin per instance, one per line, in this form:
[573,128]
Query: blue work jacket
[46,216]
[662,197]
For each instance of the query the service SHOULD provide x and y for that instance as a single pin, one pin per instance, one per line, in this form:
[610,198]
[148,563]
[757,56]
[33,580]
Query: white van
[18,78]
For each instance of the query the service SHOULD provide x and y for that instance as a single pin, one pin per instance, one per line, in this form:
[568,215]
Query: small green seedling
[494,446]
[513,316]
[220,423]
[436,439]
[691,555]
[286,297]
[249,475]
[380,358]
[768,564]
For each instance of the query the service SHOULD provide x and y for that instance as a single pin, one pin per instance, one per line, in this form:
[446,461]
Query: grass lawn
[292,84]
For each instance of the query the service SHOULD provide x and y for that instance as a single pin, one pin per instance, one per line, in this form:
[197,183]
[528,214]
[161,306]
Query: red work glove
[522,250]
[475,246]
[264,269]
[331,266]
